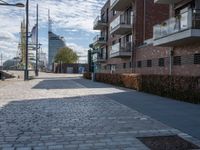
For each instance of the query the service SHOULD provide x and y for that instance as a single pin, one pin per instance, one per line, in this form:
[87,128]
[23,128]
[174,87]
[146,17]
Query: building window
[196,58]
[130,65]
[124,65]
[113,67]
[149,63]
[114,12]
[177,60]
[161,62]
[139,64]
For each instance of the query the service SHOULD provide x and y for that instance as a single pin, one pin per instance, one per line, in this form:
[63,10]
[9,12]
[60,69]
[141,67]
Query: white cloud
[68,15]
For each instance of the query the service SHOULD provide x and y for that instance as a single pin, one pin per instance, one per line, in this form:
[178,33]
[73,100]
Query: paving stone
[55,112]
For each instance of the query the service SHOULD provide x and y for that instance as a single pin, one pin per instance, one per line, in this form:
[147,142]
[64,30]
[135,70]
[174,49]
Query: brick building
[181,34]
[135,37]
[70,68]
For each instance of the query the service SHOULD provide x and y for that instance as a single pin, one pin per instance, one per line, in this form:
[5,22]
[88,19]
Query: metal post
[2,61]
[26,74]
[133,44]
[36,73]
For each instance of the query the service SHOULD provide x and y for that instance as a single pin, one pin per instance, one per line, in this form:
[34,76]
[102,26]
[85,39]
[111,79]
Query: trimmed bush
[132,81]
[178,87]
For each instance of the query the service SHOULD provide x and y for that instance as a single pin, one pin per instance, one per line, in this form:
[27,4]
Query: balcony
[99,40]
[98,58]
[182,29]
[121,51]
[120,5]
[96,50]
[166,1]
[121,25]
[99,23]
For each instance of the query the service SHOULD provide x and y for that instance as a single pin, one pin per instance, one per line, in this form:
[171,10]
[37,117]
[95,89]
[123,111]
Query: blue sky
[73,19]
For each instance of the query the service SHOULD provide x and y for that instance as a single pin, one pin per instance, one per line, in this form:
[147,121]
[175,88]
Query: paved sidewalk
[180,115]
[59,112]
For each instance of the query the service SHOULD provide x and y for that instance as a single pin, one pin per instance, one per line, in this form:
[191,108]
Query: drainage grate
[167,143]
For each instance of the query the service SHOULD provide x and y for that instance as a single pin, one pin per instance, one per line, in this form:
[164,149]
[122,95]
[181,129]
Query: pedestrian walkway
[180,115]
[64,112]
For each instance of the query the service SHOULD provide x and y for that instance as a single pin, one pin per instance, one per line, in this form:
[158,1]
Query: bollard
[93,77]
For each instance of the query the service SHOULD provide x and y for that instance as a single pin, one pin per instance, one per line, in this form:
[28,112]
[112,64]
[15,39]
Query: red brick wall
[138,22]
[187,52]
[146,19]
[187,68]
[153,53]
[155,14]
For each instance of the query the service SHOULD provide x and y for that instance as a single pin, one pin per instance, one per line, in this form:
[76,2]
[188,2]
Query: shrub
[177,87]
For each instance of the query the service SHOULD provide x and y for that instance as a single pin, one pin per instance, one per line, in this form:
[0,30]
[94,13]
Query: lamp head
[19,5]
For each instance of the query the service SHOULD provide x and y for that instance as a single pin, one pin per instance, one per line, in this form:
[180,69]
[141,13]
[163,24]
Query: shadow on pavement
[57,84]
[57,78]
[180,115]
[63,83]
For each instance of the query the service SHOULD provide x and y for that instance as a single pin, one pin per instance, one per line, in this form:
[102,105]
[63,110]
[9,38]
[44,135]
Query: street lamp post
[37,48]
[26,72]
[2,61]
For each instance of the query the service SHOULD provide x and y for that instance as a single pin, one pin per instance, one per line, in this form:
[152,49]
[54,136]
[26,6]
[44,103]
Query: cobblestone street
[55,112]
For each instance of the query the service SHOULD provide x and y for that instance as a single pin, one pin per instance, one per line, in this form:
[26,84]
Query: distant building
[42,60]
[71,68]
[12,63]
[55,43]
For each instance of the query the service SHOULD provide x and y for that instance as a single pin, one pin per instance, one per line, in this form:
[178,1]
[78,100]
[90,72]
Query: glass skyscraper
[55,43]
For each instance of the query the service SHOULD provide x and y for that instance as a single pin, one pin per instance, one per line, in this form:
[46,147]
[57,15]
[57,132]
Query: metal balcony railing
[99,57]
[99,38]
[188,20]
[121,20]
[117,48]
[99,20]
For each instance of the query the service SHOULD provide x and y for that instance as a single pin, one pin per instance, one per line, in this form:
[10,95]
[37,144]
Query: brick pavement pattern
[54,112]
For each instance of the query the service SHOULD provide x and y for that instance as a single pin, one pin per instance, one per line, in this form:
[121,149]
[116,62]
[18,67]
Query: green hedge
[177,87]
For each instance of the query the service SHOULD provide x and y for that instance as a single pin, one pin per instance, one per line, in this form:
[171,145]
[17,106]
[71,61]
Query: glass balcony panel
[99,38]
[122,24]
[119,49]
[99,23]
[184,28]
[173,25]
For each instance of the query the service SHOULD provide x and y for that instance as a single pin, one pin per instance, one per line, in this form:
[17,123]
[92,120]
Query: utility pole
[2,61]
[26,73]
[37,47]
